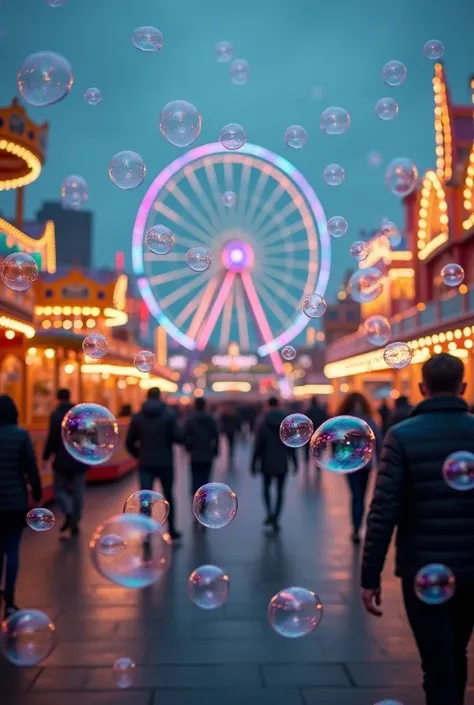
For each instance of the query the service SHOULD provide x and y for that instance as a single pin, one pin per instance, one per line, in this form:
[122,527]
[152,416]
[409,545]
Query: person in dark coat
[272,458]
[385,414]
[318,415]
[435,524]
[69,474]
[201,440]
[18,469]
[230,426]
[401,411]
[150,439]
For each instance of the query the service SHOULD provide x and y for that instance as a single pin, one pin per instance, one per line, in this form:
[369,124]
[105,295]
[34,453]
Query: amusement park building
[439,229]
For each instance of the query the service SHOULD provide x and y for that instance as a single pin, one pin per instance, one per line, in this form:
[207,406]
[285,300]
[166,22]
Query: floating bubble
[334,175]
[215,505]
[386,109]
[232,136]
[294,612]
[144,361]
[93,96]
[90,433]
[314,305]
[337,226]
[180,123]
[391,231]
[374,158]
[198,259]
[377,330]
[296,430]
[334,121]
[124,672]
[147,39]
[19,271]
[366,285]
[343,444]
[401,176]
[397,355]
[56,3]
[95,346]
[434,584]
[127,170]
[208,587]
[40,519]
[224,52]
[111,545]
[295,136]
[458,470]
[149,503]
[44,78]
[360,250]
[146,551]
[160,240]
[433,49]
[452,274]
[239,72]
[394,73]
[74,192]
[27,637]
[229,199]
[288,352]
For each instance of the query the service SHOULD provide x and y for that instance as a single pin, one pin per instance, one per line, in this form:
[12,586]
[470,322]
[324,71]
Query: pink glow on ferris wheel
[237,256]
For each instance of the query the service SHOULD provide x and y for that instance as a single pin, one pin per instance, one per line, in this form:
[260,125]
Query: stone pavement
[228,656]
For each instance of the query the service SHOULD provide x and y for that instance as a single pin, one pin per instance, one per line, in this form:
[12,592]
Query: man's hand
[372,599]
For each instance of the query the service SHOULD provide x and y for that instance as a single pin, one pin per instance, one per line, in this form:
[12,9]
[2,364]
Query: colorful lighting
[442,126]
[47,241]
[431,189]
[31,161]
[16,326]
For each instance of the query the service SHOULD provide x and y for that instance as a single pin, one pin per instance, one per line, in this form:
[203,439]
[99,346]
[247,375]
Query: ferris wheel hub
[237,256]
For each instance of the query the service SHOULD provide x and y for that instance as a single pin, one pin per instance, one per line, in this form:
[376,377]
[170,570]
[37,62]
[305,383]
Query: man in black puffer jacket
[435,524]
[201,440]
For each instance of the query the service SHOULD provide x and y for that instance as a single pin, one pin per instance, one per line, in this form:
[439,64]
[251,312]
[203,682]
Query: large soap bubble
[458,470]
[397,355]
[434,584]
[95,346]
[127,170]
[401,176]
[366,285]
[208,587]
[90,433]
[334,174]
[386,109]
[295,136]
[334,121]
[239,72]
[314,305]
[394,73]
[149,503]
[147,39]
[296,430]
[224,52]
[40,519]
[433,49]
[232,136]
[377,330]
[198,259]
[160,240]
[19,271]
[44,78]
[294,612]
[180,123]
[27,637]
[343,444]
[337,226]
[74,192]
[144,361]
[452,274]
[215,505]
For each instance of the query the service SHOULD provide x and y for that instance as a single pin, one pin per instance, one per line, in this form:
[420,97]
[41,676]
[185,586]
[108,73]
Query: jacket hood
[274,417]
[153,407]
[441,403]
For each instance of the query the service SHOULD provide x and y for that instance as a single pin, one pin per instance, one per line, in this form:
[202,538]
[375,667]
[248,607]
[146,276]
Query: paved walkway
[229,656]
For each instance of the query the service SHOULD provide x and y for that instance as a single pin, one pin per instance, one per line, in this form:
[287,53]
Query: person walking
[68,473]
[18,469]
[318,415]
[385,413]
[273,460]
[151,435]
[435,524]
[401,411]
[230,426]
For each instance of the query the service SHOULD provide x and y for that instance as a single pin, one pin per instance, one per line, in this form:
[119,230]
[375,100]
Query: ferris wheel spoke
[277,220]
[203,198]
[216,193]
[170,257]
[179,220]
[203,306]
[172,275]
[243,190]
[215,311]
[284,278]
[190,207]
[184,290]
[287,247]
[271,300]
[226,321]
[278,234]
[257,195]
[261,319]
[183,316]
[268,208]
[242,322]
[276,292]
[229,175]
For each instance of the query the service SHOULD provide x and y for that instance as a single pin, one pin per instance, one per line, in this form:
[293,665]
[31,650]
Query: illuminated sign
[242,362]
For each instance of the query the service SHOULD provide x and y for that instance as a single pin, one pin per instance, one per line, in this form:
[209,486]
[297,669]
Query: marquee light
[442,126]
[231,387]
[146,382]
[468,192]
[31,161]
[47,241]
[17,326]
[431,182]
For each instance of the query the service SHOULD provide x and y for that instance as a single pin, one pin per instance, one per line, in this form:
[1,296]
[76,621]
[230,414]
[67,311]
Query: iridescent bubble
[180,123]
[232,136]
[90,433]
[458,470]
[127,170]
[295,136]
[95,346]
[149,503]
[314,305]
[146,551]
[334,175]
[215,505]
[44,78]
[111,544]
[224,52]
[401,176]
[147,39]
[296,430]
[198,259]
[124,672]
[397,355]
[40,519]
[208,587]
[374,158]
[386,109]
[390,230]
[433,49]
[19,271]
[288,352]
[360,250]
[229,199]
[144,361]
[27,637]
[377,330]
[434,584]
[452,274]
[294,612]
[334,121]
[337,226]
[366,285]
[93,96]
[74,192]
[394,73]
[239,72]
[343,444]
[160,240]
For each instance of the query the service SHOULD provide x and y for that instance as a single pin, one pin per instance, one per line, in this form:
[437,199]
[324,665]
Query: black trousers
[358,482]
[279,481]
[166,477]
[200,475]
[442,634]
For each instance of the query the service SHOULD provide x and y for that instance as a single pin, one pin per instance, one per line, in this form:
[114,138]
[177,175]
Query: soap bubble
[149,503]
[144,361]
[343,444]
[288,352]
[127,170]
[294,612]
[215,505]
[296,430]
[27,637]
[224,52]
[239,72]
[95,345]
[295,136]
[208,587]
[374,158]
[334,175]
[337,226]
[90,433]
[366,285]
[452,274]
[434,584]
[386,109]
[229,199]
[44,78]
[160,240]
[433,49]
[180,123]
[401,176]
[334,121]
[74,192]
[397,355]
[458,470]
[394,73]
[377,330]
[390,230]
[93,96]
[147,39]
[19,271]
[314,305]
[40,519]
[360,250]
[232,136]
[198,259]
[56,3]
[146,551]
[111,544]
[124,672]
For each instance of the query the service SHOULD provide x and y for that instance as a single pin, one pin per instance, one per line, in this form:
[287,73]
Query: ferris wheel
[269,249]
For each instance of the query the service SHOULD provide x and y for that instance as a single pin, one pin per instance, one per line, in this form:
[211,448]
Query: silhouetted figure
[384,411]
[201,440]
[318,415]
[401,411]
[125,411]
[230,426]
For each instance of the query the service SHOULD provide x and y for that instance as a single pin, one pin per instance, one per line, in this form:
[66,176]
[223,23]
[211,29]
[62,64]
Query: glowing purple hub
[237,256]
